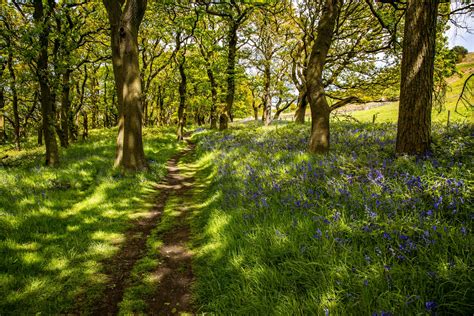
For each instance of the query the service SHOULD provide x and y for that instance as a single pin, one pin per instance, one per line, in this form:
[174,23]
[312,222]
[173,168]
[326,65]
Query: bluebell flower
[430,305]
[318,234]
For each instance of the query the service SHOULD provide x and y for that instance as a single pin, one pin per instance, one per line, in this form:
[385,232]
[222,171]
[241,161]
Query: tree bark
[66,107]
[320,134]
[416,98]
[267,98]
[300,113]
[14,92]
[182,99]
[212,80]
[231,60]
[124,26]
[2,106]
[41,19]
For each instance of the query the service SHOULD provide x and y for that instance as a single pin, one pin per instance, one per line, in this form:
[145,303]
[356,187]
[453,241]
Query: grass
[58,225]
[359,231]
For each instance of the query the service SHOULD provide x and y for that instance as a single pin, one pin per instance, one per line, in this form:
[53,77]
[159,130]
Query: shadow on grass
[58,225]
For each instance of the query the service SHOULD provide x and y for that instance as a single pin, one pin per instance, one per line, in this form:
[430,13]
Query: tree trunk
[301,109]
[267,98]
[414,117]
[280,110]
[2,105]
[255,110]
[124,32]
[231,60]
[42,72]
[65,107]
[85,126]
[39,131]
[16,116]
[182,100]
[212,80]
[320,135]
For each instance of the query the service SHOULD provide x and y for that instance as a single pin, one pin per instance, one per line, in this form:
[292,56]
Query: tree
[125,22]
[319,139]
[235,14]
[460,52]
[42,19]
[416,98]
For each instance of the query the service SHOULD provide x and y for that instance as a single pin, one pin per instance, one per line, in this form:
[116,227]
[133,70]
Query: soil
[175,272]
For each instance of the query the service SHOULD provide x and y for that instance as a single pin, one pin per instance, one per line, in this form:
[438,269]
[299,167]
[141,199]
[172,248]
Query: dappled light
[309,157]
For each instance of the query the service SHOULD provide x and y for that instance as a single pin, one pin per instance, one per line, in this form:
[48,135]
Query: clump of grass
[359,231]
[58,224]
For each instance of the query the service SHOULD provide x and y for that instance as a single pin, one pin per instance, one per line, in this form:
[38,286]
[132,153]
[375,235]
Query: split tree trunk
[41,20]
[416,98]
[124,26]
[320,135]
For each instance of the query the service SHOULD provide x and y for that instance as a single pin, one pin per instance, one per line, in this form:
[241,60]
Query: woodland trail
[174,272]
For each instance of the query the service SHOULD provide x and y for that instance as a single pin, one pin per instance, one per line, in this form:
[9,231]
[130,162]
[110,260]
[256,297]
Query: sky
[463,36]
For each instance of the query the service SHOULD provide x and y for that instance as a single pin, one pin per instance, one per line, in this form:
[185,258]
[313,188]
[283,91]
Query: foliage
[460,52]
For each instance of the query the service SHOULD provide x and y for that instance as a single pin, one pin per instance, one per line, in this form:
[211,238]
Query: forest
[248,157]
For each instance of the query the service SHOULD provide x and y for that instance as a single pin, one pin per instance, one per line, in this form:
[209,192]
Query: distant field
[389,111]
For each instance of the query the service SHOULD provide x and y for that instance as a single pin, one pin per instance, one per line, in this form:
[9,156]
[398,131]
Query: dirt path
[174,273]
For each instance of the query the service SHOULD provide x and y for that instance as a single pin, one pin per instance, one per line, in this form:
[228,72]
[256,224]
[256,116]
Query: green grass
[58,224]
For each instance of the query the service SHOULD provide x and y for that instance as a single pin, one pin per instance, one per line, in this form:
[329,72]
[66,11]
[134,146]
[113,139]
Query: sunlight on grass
[58,225]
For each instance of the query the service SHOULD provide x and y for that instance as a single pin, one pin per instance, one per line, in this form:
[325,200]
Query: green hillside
[389,112]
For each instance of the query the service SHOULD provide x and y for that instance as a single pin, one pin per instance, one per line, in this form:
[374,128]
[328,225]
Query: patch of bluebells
[402,213]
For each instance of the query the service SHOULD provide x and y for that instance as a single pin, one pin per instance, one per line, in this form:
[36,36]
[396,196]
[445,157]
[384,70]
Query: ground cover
[359,231]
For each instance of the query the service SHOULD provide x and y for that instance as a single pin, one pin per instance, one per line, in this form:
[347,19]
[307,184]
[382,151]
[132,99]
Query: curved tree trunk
[124,27]
[320,135]
[416,98]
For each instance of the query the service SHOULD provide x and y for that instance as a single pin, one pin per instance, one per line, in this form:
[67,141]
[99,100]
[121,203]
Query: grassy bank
[58,225]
